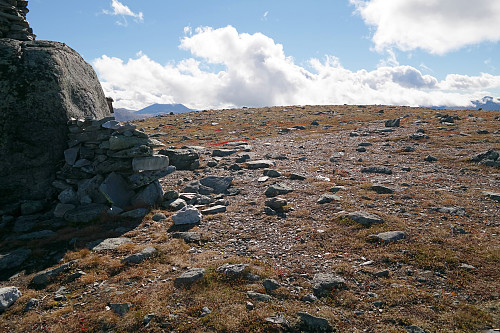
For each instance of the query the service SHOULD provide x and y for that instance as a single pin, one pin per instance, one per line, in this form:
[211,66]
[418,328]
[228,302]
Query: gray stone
[42,279]
[277,189]
[324,283]
[121,308]
[112,165]
[314,324]
[109,244]
[218,184]
[116,190]
[150,163]
[159,217]
[270,284]
[25,223]
[365,218]
[137,151]
[381,189]
[86,213]
[295,176]
[223,152]
[258,296]
[36,235]
[214,210]
[171,195]
[182,159]
[89,188]
[492,195]
[135,214]
[309,298]
[272,173]
[491,155]
[327,198]
[189,277]
[188,237]
[278,320]
[33,302]
[382,273]
[387,237]
[120,142]
[414,329]
[377,169]
[147,177]
[42,85]
[419,136]
[455,211]
[336,189]
[430,158]
[68,196]
[148,196]
[8,296]
[32,207]
[233,270]
[139,257]
[276,204]
[187,215]
[259,164]
[71,154]
[393,122]
[13,259]
[174,205]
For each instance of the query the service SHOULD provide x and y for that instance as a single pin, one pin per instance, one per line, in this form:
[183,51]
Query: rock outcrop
[43,84]
[13,22]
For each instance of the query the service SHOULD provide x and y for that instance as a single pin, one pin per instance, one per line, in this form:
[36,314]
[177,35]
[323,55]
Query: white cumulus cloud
[253,70]
[436,26]
[120,9]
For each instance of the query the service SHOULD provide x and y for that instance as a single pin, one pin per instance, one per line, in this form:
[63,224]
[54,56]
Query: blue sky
[225,53]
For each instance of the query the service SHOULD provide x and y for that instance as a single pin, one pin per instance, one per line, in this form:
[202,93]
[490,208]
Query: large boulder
[42,85]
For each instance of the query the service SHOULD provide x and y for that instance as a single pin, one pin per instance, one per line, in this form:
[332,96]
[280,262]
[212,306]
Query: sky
[213,54]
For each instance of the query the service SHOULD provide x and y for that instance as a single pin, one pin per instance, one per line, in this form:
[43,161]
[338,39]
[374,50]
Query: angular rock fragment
[324,283]
[187,215]
[365,218]
[277,189]
[387,237]
[8,296]
[139,257]
[186,279]
[314,324]
[233,270]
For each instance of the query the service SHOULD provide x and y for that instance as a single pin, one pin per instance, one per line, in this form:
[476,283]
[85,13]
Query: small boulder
[121,308]
[139,257]
[365,218]
[259,164]
[189,277]
[314,324]
[8,296]
[277,189]
[233,270]
[109,244]
[258,296]
[214,210]
[324,283]
[187,215]
[387,237]
[327,198]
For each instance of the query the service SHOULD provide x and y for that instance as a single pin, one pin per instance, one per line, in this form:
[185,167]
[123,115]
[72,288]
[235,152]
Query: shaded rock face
[43,84]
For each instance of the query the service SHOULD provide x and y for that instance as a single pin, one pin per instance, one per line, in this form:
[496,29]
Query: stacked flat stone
[110,170]
[13,22]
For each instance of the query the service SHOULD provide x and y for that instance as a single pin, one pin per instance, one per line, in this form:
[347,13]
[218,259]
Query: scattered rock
[188,237]
[430,158]
[189,277]
[214,210]
[270,285]
[276,204]
[259,164]
[109,244]
[272,173]
[327,198]
[295,176]
[159,217]
[314,324]
[414,329]
[492,195]
[393,123]
[277,189]
[223,152]
[323,283]
[86,213]
[218,184]
[387,237]
[139,257]
[309,298]
[8,296]
[258,296]
[377,169]
[136,214]
[182,159]
[455,211]
[233,270]
[365,218]
[121,308]
[419,136]
[42,279]
[33,302]
[381,189]
[278,320]
[187,215]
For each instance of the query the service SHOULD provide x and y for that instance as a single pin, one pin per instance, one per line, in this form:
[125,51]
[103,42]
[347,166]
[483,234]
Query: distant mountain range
[487,103]
[122,114]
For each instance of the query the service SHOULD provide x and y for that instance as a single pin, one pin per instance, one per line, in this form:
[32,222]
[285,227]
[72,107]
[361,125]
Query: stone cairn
[110,170]
[13,22]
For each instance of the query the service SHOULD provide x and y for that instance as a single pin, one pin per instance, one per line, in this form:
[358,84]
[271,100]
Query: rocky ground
[314,218]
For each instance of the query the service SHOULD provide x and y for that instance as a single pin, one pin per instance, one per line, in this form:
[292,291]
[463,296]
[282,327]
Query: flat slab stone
[365,218]
[150,163]
[260,164]
[116,190]
[121,142]
[232,270]
[223,152]
[277,189]
[110,244]
[386,237]
[259,297]
[214,210]
[187,236]
[186,279]
[314,324]
[381,189]
[492,195]
[218,184]
[324,283]
[44,278]
[139,257]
